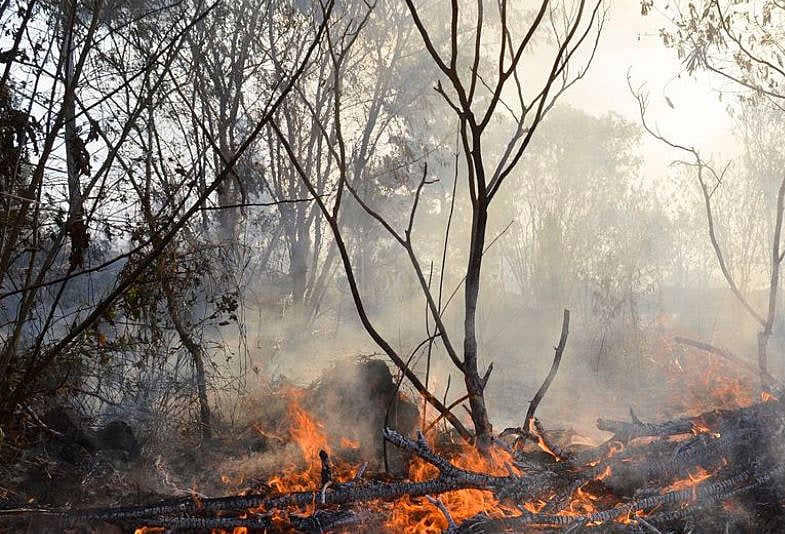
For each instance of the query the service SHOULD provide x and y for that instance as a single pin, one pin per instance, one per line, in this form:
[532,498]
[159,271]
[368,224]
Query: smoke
[592,220]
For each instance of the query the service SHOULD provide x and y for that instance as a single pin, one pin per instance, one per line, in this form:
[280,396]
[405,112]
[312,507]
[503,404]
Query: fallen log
[451,478]
[636,480]
[706,494]
[321,521]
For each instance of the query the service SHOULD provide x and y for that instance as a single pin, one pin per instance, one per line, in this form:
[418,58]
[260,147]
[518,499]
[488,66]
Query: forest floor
[40,468]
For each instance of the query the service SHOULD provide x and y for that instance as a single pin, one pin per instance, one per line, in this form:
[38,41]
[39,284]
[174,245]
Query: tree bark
[198,357]
[474,384]
[74,149]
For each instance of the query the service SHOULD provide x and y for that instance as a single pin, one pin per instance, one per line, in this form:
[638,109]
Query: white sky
[631,41]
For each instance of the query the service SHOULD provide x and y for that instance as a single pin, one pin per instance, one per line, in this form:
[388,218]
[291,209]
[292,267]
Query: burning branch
[727,355]
[628,484]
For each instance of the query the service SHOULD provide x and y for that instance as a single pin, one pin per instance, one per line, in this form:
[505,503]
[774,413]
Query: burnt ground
[57,461]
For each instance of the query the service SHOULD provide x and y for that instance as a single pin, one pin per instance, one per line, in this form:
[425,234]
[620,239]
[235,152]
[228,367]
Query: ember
[277,267]
[647,475]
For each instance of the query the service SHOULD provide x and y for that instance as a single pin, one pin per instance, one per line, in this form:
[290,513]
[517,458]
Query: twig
[725,354]
[451,526]
[651,528]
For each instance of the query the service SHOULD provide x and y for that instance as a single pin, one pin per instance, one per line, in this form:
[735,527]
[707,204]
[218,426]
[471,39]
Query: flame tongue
[535,430]
[695,475]
[317,468]
[312,440]
[419,516]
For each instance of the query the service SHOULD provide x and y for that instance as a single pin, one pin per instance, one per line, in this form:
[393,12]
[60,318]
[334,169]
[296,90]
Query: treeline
[198,193]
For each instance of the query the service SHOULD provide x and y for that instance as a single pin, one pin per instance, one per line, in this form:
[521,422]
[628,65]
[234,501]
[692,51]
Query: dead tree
[475,89]
[741,44]
[710,179]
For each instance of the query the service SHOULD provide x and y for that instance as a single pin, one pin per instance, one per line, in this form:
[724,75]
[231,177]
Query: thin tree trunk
[474,384]
[197,355]
[774,285]
[299,251]
[77,229]
[193,348]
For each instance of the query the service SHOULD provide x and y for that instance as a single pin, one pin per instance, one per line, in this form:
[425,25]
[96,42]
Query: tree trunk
[774,286]
[193,348]
[75,153]
[474,384]
[197,355]
[298,272]
[299,251]
[763,343]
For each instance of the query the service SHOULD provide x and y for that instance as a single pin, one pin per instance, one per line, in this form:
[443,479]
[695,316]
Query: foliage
[740,41]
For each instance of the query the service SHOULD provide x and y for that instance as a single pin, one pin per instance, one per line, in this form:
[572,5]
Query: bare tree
[41,334]
[740,42]
[710,180]
[476,91]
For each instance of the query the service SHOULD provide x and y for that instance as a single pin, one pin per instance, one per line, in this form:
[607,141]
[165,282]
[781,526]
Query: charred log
[636,479]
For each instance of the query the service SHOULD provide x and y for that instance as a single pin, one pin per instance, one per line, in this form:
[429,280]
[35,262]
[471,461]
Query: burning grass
[714,467]
[504,489]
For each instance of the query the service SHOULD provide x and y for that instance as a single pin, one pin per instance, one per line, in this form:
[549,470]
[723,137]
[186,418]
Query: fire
[713,386]
[614,448]
[347,443]
[699,427]
[583,503]
[605,473]
[728,390]
[631,518]
[233,483]
[418,516]
[695,476]
[541,441]
[698,381]
[535,507]
[306,433]
[310,438]
[412,515]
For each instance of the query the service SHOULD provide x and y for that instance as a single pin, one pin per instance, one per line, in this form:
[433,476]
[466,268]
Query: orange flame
[535,507]
[347,443]
[541,441]
[418,516]
[582,503]
[696,475]
[311,438]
